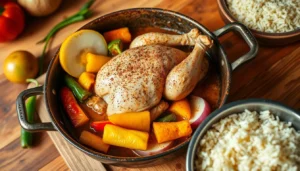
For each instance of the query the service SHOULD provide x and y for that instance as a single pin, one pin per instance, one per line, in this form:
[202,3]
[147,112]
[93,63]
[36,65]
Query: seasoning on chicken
[136,79]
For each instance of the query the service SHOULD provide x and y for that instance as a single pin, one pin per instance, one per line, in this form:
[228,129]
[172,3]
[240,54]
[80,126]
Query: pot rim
[145,158]
[207,123]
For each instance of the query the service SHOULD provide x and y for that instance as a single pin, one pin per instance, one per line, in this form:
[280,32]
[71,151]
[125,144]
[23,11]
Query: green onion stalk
[26,137]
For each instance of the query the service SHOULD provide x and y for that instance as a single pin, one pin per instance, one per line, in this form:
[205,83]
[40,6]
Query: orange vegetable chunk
[121,33]
[181,108]
[123,137]
[133,120]
[167,131]
[87,80]
[94,141]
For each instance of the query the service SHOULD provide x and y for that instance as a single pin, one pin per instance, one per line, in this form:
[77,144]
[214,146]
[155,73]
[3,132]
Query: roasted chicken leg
[184,77]
[166,39]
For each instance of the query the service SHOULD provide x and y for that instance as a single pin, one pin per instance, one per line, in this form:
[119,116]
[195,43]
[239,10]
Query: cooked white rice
[273,16]
[249,141]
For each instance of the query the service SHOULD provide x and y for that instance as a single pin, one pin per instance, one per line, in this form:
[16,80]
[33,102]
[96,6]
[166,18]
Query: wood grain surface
[273,74]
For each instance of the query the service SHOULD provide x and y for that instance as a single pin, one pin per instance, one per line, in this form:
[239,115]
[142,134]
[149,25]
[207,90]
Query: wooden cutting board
[78,161]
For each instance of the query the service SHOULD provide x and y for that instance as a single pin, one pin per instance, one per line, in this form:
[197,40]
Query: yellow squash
[72,53]
[95,62]
[134,120]
[118,136]
[87,80]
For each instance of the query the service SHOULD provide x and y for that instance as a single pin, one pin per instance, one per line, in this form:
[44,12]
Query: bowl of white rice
[273,22]
[253,134]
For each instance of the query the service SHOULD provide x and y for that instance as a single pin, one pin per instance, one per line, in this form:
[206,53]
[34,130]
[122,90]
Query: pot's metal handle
[22,111]
[247,36]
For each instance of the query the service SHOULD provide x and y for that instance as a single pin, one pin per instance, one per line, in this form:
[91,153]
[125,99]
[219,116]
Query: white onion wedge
[154,148]
[200,109]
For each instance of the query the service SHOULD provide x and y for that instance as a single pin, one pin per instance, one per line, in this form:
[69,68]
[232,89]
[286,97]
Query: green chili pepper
[167,118]
[80,93]
[115,47]
[83,14]
[26,137]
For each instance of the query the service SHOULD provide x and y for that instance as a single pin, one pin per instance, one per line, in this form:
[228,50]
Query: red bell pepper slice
[74,111]
[99,125]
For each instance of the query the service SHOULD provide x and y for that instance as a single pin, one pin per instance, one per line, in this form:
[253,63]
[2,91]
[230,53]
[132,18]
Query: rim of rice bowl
[285,114]
[232,18]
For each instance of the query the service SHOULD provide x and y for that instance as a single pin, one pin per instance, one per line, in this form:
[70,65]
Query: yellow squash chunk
[93,141]
[118,136]
[87,80]
[95,62]
[181,108]
[72,53]
[134,120]
[167,131]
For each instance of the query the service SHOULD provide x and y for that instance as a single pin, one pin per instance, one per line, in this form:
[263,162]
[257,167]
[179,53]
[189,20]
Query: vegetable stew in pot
[137,92]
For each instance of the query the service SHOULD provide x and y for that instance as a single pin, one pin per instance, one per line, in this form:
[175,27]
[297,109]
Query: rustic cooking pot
[133,18]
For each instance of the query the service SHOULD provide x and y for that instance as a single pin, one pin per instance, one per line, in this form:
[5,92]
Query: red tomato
[11,21]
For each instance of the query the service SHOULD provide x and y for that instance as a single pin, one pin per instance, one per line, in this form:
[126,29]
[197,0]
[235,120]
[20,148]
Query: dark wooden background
[273,74]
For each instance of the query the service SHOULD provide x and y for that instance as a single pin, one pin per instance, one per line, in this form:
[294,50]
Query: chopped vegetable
[80,93]
[12,21]
[26,137]
[167,131]
[20,65]
[94,141]
[99,125]
[167,118]
[115,47]
[83,14]
[73,51]
[200,110]
[40,7]
[118,136]
[122,33]
[75,113]
[87,80]
[134,120]
[181,108]
[95,62]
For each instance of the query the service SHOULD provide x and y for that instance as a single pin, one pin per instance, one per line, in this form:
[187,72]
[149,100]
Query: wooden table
[273,74]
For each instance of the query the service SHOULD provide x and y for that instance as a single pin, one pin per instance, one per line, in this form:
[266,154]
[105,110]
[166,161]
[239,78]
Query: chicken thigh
[137,79]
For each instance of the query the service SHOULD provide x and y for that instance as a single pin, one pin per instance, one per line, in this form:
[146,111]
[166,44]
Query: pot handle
[247,36]
[48,126]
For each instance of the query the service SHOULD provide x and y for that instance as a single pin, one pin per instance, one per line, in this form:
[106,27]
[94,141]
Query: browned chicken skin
[136,79]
